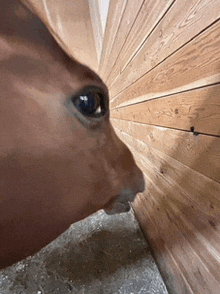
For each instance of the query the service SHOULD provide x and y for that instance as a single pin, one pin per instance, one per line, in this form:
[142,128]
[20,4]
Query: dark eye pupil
[88,103]
[91,102]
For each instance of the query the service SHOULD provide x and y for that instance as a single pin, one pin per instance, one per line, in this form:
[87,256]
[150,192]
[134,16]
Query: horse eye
[90,102]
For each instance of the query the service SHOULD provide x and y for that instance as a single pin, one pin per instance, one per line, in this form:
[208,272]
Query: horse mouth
[116,207]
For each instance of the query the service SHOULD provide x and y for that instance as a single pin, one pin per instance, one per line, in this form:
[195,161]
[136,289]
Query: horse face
[60,157]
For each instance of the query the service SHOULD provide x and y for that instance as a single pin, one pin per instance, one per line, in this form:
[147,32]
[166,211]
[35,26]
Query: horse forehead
[33,65]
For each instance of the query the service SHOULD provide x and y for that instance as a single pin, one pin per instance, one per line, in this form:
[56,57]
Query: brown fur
[56,166]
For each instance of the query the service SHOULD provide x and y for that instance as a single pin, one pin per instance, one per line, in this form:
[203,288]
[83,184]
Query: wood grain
[164,81]
[190,182]
[131,37]
[129,15]
[171,273]
[149,18]
[184,21]
[195,65]
[201,153]
[198,109]
[115,13]
[199,272]
[188,225]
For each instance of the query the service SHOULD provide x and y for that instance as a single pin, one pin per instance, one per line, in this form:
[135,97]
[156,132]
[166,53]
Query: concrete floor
[99,255]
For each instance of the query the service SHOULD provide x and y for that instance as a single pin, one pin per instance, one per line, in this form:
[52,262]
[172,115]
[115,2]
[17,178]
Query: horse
[60,159]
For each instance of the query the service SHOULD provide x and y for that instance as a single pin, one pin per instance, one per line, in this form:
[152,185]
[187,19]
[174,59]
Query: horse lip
[109,205]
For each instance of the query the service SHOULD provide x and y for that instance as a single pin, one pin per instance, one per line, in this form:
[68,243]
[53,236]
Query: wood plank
[127,19]
[132,34]
[116,10]
[149,17]
[182,146]
[188,217]
[198,274]
[183,178]
[192,205]
[183,247]
[170,271]
[175,30]
[192,230]
[193,66]
[189,230]
[197,109]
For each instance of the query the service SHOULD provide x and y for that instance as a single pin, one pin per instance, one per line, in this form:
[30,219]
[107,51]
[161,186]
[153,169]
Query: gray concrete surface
[99,255]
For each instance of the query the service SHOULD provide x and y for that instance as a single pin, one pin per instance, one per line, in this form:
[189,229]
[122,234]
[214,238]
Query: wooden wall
[161,61]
